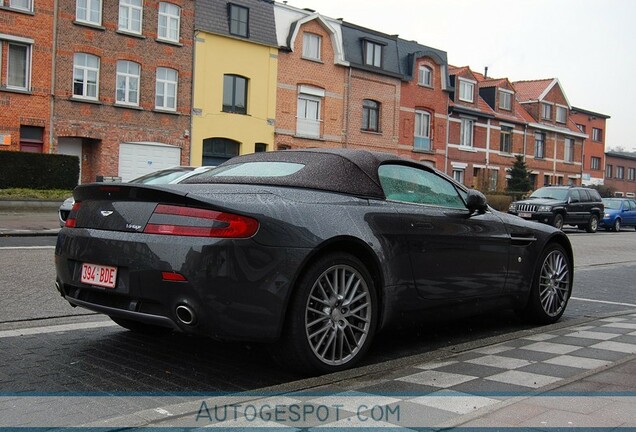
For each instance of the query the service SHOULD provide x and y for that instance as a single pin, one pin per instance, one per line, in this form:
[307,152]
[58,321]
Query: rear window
[253,169]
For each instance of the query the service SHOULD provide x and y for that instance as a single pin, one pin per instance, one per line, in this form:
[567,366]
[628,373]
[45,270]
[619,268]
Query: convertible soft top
[353,172]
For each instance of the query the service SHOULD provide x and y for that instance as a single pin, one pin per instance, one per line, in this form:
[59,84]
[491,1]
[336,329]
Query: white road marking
[55,329]
[26,247]
[604,302]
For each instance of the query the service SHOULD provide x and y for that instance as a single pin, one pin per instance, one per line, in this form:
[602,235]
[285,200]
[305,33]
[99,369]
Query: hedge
[38,170]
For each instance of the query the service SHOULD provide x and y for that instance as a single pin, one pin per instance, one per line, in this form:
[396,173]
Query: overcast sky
[589,45]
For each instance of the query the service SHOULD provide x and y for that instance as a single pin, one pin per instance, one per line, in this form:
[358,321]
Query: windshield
[163,176]
[613,204]
[550,193]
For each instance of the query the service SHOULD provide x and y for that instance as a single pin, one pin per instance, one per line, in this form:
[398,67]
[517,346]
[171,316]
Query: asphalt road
[108,358]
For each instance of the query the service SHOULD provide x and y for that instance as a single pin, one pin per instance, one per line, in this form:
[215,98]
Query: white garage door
[137,159]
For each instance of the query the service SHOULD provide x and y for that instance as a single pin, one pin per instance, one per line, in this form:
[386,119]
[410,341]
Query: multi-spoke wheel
[551,287]
[332,316]
[617,225]
[592,226]
[558,221]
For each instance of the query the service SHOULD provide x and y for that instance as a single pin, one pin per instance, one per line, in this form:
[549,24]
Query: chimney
[486,72]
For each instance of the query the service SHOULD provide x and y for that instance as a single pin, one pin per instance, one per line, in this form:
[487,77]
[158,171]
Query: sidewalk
[19,220]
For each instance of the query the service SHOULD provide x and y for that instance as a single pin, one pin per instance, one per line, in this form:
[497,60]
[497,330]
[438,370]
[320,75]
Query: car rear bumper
[236,289]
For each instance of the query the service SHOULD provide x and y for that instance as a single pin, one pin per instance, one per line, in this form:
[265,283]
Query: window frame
[85,76]
[464,85]
[311,52]
[29,8]
[508,97]
[89,10]
[564,113]
[505,139]
[377,55]
[128,79]
[620,172]
[234,108]
[231,8]
[539,145]
[595,163]
[169,19]
[568,151]
[467,133]
[165,84]
[130,8]
[546,111]
[609,171]
[423,72]
[369,107]
[597,134]
[418,137]
[27,72]
[304,98]
[631,174]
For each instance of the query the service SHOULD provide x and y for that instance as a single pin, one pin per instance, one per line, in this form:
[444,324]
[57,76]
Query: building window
[467,132]
[239,20]
[235,94]
[308,123]
[31,139]
[620,172]
[425,76]
[546,180]
[89,11]
[370,115]
[569,150]
[19,66]
[546,111]
[372,54]
[539,145]
[25,5]
[422,135]
[595,163]
[128,82]
[631,174]
[311,46]
[597,134]
[561,114]
[458,175]
[505,100]
[581,127]
[169,22]
[166,89]
[260,147]
[608,171]
[466,91]
[130,13]
[85,76]
[505,142]
[218,150]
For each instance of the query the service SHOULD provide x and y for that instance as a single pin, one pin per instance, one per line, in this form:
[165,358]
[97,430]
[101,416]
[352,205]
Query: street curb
[31,205]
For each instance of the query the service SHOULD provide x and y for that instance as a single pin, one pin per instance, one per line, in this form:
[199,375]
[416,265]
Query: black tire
[551,286]
[592,225]
[617,225]
[323,332]
[558,221]
[141,328]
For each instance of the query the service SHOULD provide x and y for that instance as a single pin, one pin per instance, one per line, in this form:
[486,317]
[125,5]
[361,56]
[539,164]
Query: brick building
[620,173]
[123,78]
[311,80]
[554,151]
[593,124]
[26,48]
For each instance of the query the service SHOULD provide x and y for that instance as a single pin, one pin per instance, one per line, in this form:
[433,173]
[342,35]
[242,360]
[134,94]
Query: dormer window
[546,111]
[372,53]
[466,90]
[505,100]
[311,46]
[425,76]
[239,20]
[561,114]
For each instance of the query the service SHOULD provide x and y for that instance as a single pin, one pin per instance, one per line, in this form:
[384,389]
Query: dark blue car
[619,212]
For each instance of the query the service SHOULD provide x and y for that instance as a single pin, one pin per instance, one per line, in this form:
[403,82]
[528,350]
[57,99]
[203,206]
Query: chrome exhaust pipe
[185,314]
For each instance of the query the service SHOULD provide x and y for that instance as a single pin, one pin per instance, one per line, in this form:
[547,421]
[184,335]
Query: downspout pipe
[53,80]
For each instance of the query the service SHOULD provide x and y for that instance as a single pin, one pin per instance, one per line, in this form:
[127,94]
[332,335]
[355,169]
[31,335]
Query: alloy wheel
[554,283]
[338,315]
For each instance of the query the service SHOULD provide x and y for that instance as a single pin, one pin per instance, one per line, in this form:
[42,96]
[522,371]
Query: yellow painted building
[234,95]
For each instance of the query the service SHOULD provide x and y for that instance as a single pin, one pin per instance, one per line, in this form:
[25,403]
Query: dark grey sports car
[313,250]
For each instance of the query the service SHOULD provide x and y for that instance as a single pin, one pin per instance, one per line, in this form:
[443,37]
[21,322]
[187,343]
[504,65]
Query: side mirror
[476,201]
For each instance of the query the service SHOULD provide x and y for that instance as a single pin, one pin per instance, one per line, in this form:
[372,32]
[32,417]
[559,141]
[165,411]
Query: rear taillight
[197,222]
[71,219]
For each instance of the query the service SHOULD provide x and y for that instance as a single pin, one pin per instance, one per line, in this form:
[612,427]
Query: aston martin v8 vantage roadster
[314,251]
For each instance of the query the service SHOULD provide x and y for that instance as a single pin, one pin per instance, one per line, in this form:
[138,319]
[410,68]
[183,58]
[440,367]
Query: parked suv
[562,205]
